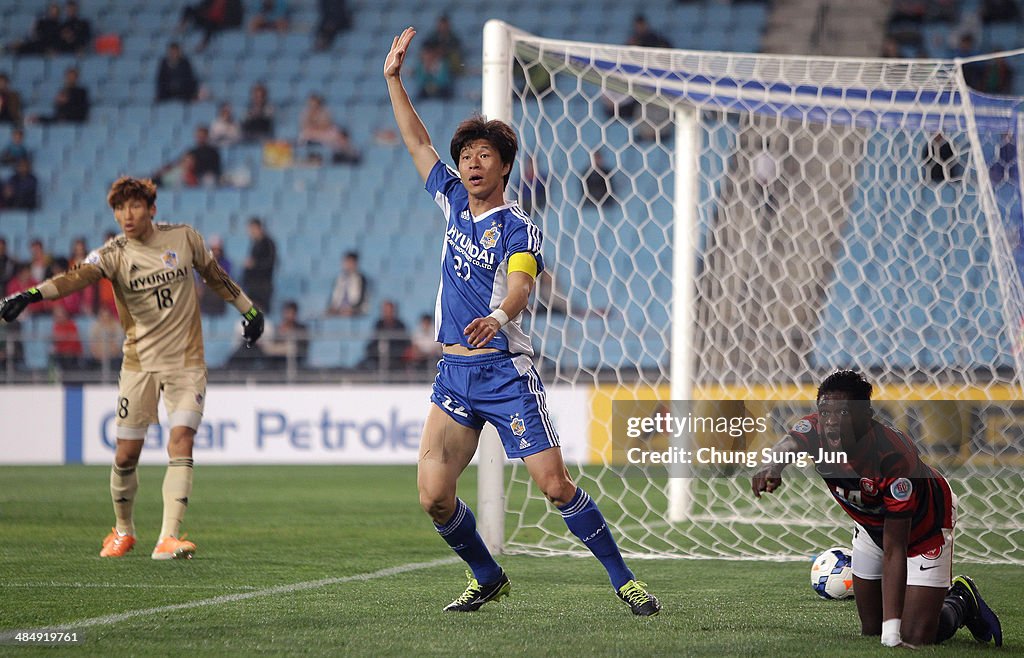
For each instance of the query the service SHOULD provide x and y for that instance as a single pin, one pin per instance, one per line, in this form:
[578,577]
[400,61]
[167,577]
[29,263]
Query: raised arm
[414,133]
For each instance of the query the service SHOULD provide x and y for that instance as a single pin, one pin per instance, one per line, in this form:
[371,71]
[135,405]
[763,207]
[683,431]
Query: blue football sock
[586,522]
[460,533]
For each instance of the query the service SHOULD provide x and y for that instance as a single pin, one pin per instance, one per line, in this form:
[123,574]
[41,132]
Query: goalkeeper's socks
[460,533]
[124,484]
[177,488]
[586,522]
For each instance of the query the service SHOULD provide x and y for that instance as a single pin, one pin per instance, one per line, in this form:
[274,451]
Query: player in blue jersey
[491,256]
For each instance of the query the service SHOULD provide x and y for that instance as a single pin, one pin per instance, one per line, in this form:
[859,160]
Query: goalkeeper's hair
[497,133]
[850,382]
[127,188]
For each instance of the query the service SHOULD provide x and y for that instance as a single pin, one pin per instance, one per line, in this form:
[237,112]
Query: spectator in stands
[105,289]
[66,347]
[258,276]
[15,149]
[940,161]
[175,79]
[334,17]
[105,341]
[225,130]
[389,342]
[424,350]
[447,43]
[212,16]
[10,102]
[207,158]
[75,31]
[45,38]
[40,262]
[71,105]
[598,189]
[78,253]
[210,303]
[1000,11]
[348,297]
[7,265]
[177,173]
[316,126]
[644,36]
[12,354]
[891,48]
[22,280]
[533,194]
[272,16]
[21,190]
[434,76]
[259,116]
[291,339]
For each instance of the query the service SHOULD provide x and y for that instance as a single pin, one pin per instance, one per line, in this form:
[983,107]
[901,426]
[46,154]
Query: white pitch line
[7,636]
[51,583]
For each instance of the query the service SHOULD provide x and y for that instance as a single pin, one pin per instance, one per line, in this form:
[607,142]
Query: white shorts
[931,569]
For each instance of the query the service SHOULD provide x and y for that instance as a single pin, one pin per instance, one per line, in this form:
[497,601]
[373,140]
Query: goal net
[729,229]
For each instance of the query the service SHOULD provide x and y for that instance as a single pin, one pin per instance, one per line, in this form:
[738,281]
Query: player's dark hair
[850,382]
[496,133]
[127,188]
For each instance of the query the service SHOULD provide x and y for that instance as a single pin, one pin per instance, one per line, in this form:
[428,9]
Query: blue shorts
[501,389]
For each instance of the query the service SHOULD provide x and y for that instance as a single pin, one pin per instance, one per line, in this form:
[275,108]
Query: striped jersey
[474,262]
[884,477]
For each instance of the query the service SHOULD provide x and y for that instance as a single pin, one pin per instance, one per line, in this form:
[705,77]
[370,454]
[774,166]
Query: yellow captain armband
[523,261]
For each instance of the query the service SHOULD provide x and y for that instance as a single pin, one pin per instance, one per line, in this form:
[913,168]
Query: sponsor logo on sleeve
[802,427]
[901,489]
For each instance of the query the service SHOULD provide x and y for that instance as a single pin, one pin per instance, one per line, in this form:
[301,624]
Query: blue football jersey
[474,262]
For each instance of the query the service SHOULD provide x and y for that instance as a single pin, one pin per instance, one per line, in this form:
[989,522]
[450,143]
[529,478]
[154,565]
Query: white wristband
[499,315]
[891,633]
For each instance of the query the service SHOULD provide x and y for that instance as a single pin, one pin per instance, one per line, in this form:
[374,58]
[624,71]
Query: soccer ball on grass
[832,574]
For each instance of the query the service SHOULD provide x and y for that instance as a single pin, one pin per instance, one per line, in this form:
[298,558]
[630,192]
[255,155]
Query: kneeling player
[903,512]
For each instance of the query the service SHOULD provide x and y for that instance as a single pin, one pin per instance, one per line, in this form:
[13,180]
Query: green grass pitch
[341,561]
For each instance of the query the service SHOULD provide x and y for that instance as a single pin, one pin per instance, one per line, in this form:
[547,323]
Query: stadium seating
[316,214]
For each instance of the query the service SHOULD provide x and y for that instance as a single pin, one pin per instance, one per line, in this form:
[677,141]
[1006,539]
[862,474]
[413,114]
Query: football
[832,574]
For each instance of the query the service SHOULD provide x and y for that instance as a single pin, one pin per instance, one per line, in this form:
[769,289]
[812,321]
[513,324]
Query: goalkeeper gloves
[11,307]
[252,326]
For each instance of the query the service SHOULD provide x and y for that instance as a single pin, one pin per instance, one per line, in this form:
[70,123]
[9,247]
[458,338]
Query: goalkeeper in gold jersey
[150,267]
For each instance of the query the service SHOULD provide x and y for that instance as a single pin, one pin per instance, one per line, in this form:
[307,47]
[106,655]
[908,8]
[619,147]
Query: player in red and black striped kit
[903,512]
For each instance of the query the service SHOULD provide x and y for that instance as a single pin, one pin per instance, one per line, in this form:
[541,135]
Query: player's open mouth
[476,179]
[834,440]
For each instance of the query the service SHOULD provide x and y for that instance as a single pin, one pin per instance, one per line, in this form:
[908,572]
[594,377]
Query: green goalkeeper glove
[252,326]
[11,307]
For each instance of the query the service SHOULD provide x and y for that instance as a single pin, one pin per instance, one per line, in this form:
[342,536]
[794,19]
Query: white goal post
[733,227]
